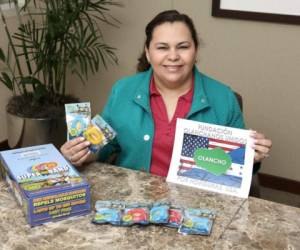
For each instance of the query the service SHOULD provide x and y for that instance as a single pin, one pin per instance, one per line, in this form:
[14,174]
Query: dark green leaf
[31,80]
[7,81]
[75,71]
[2,55]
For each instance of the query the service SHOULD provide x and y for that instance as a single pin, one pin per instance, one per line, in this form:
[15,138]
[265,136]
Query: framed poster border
[257,16]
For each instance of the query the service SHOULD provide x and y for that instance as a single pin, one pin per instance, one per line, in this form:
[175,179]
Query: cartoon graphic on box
[46,175]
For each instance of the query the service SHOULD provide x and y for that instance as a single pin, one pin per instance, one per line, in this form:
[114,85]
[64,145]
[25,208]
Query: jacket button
[138,97]
[146,137]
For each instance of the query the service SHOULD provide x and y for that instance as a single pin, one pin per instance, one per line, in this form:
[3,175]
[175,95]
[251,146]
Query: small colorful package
[159,213]
[197,221]
[175,216]
[108,212]
[136,213]
[78,117]
[98,133]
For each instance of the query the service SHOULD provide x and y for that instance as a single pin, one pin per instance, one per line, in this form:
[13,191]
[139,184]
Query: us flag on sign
[236,151]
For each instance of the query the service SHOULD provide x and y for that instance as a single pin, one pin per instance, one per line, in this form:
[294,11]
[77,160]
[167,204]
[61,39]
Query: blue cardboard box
[45,184]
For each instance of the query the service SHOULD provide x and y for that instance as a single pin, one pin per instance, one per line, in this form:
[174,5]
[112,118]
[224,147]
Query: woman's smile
[173,68]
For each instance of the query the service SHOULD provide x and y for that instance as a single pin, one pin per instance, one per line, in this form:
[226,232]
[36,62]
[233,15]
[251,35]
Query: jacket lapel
[141,96]
[200,101]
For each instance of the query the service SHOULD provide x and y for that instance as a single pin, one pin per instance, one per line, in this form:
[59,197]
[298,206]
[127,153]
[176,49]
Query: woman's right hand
[76,151]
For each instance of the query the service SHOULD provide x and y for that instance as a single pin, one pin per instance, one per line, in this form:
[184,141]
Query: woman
[143,108]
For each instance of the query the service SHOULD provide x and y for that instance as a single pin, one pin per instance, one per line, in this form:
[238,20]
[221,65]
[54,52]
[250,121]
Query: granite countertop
[240,223]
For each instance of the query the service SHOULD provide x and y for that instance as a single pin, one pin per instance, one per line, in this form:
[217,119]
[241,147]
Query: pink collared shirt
[164,131]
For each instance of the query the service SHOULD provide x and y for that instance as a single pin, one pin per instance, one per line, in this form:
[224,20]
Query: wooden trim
[279,183]
[256,16]
[4,145]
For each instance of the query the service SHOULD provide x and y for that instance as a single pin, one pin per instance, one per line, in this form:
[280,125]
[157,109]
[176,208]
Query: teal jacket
[128,111]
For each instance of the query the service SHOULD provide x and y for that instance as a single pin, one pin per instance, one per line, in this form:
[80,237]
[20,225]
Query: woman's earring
[148,61]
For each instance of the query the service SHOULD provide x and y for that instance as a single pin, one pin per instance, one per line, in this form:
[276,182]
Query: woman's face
[172,54]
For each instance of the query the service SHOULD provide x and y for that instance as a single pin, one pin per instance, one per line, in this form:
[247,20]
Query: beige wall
[259,60]
[4,91]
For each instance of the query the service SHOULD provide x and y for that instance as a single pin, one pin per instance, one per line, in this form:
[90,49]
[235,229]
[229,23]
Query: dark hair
[163,17]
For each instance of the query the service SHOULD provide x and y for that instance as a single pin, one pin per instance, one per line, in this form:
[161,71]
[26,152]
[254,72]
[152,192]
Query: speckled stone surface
[261,224]
[239,223]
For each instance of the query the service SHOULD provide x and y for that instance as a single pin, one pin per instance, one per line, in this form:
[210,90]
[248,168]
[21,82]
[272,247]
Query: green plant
[57,37]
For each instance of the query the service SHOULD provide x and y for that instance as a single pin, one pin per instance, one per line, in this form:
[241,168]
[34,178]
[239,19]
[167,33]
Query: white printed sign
[212,157]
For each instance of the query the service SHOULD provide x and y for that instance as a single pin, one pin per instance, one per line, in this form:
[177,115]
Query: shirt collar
[153,89]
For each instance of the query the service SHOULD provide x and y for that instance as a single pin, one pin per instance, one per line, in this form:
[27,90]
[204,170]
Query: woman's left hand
[262,146]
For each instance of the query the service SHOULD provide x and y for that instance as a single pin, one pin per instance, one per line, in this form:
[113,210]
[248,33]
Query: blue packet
[106,129]
[135,213]
[98,133]
[108,212]
[78,118]
[197,221]
[159,213]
